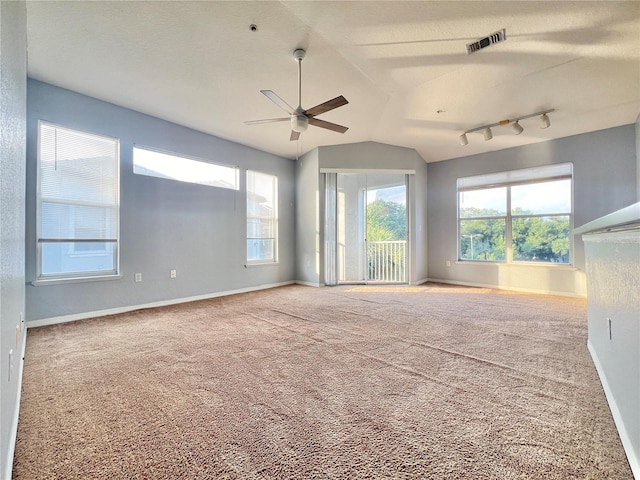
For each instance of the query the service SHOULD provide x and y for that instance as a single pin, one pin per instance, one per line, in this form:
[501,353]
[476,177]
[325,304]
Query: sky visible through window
[164,165]
[536,198]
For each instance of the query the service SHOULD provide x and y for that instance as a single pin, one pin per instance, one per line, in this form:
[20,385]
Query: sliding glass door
[370,232]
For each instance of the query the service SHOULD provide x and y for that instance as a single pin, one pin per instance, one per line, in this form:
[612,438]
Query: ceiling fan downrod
[299,121]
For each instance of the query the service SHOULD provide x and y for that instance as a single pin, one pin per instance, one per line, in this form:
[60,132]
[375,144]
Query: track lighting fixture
[517,129]
[515,126]
[544,121]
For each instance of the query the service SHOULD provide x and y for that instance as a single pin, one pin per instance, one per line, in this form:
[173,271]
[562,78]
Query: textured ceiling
[403,66]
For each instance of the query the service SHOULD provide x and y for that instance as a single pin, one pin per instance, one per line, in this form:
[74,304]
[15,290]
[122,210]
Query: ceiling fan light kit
[545,122]
[299,117]
[299,123]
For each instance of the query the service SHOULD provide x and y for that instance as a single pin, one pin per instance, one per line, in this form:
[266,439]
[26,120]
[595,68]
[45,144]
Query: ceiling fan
[299,117]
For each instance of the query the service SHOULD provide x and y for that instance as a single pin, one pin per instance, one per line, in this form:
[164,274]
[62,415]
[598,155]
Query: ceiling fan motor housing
[298,54]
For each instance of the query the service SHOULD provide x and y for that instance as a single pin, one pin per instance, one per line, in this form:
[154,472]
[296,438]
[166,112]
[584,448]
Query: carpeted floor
[430,382]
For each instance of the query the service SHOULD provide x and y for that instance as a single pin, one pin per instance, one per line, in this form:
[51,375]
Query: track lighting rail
[517,128]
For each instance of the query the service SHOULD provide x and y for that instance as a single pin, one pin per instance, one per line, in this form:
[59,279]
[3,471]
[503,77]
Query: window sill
[261,264]
[61,281]
[555,266]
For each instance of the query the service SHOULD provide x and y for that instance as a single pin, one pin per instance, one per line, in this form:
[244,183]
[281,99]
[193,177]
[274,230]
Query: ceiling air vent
[499,36]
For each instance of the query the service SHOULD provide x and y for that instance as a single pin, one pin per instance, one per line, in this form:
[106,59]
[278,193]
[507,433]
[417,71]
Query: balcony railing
[387,261]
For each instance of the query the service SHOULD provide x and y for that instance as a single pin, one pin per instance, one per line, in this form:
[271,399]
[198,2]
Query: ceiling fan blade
[294,136]
[326,106]
[267,120]
[328,125]
[271,95]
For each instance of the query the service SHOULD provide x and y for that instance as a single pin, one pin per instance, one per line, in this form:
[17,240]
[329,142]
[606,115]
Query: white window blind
[78,203]
[513,177]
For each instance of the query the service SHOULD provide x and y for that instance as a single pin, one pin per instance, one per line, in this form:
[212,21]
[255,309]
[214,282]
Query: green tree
[386,221]
[482,238]
[541,239]
[535,239]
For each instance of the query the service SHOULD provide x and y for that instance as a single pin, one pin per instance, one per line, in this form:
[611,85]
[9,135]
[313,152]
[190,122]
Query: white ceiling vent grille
[499,36]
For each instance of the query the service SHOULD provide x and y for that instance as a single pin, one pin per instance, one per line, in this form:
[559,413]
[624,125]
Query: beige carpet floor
[365,382]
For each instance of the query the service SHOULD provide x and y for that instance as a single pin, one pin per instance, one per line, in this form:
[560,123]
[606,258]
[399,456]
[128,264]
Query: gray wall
[638,157]
[613,272]
[13,76]
[362,157]
[164,224]
[307,219]
[604,167]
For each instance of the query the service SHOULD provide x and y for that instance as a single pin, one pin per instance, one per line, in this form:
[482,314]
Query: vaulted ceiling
[403,66]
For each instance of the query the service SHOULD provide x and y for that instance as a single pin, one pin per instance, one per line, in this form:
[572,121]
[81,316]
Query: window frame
[80,275]
[509,179]
[272,218]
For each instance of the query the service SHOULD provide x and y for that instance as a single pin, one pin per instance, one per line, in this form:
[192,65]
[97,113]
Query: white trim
[509,288]
[309,284]
[261,264]
[59,280]
[634,459]
[419,282]
[13,433]
[114,311]
[403,171]
[519,264]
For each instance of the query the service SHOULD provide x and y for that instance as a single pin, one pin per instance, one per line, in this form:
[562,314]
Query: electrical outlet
[448,263]
[174,273]
[138,277]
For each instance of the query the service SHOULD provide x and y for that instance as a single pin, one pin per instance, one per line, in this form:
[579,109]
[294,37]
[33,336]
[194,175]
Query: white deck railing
[387,261]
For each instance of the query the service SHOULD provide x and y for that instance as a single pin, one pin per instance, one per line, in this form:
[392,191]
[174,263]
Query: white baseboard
[632,456]
[13,434]
[113,311]
[513,289]
[419,282]
[308,284]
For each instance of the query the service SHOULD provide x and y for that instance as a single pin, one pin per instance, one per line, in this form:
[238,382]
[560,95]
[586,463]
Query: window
[262,218]
[77,204]
[518,216]
[183,169]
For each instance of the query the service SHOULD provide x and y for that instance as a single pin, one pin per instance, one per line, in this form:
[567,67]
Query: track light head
[487,134]
[463,139]
[517,128]
[544,121]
